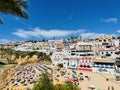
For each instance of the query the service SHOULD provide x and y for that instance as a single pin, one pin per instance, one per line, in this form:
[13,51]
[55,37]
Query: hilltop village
[94,55]
[88,63]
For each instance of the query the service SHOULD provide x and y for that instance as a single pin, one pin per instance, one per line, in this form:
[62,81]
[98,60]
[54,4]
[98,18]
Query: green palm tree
[14,7]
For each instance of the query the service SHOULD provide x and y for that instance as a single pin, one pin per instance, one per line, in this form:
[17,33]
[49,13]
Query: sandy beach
[99,81]
[96,79]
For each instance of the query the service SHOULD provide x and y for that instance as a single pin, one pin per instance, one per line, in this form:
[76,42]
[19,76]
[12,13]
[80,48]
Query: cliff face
[16,57]
[27,59]
[11,59]
[9,56]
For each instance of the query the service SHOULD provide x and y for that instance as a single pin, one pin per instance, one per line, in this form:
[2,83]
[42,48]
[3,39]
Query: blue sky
[63,18]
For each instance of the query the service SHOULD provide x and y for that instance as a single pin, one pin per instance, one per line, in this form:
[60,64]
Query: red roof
[60,47]
[112,48]
[101,49]
[118,47]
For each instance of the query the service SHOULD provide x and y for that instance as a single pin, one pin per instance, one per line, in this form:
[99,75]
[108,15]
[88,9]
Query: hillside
[9,56]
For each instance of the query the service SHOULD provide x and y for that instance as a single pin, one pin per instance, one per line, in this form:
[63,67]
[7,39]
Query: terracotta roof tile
[101,49]
[118,47]
[60,47]
[112,48]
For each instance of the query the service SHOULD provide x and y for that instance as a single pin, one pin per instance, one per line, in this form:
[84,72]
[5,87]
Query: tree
[13,7]
[30,54]
[68,86]
[45,83]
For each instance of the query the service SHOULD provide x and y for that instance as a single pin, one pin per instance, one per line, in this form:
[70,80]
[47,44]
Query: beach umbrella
[69,80]
[19,76]
[28,79]
[61,71]
[73,76]
[60,83]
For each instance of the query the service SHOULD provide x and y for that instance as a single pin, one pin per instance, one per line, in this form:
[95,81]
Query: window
[104,40]
[109,40]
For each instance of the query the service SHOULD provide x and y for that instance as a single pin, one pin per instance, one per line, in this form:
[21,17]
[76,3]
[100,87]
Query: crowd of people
[65,76]
[25,76]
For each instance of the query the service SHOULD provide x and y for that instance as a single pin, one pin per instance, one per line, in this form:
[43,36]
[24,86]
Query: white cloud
[108,20]
[37,32]
[94,35]
[21,21]
[79,31]
[118,31]
[21,33]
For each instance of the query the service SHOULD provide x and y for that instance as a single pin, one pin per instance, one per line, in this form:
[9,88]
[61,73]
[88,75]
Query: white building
[85,63]
[57,58]
[103,66]
[26,46]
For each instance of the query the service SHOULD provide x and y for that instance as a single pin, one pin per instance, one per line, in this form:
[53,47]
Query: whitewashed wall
[65,63]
